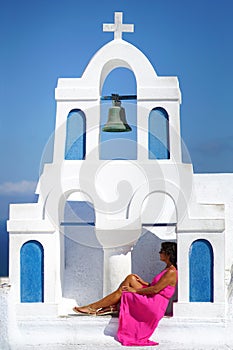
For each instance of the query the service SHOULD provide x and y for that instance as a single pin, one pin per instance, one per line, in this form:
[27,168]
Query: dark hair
[170,248]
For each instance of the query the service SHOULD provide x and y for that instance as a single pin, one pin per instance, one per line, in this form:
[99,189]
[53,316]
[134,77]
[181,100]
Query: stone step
[90,332]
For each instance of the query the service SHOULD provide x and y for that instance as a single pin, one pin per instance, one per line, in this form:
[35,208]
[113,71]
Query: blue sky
[42,40]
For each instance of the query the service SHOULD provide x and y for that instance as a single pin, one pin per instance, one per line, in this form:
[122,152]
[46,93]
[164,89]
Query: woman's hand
[140,280]
[128,289]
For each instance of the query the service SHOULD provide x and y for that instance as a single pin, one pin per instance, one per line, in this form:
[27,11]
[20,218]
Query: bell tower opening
[119,145]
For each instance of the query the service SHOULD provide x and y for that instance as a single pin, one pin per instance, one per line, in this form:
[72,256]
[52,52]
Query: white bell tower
[86,253]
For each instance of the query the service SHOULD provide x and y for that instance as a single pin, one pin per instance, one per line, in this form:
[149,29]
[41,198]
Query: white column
[143,111]
[183,245]
[174,130]
[117,265]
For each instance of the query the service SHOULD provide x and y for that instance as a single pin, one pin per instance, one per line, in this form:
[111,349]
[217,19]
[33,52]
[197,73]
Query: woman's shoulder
[171,274]
[171,270]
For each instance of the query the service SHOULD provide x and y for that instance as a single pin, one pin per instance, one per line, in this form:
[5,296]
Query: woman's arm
[169,278]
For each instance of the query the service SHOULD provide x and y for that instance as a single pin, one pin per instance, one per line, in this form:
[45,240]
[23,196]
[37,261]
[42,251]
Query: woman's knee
[131,278]
[127,281]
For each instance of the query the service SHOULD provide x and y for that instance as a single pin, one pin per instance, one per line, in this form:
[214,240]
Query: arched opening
[32,272]
[201,271]
[75,148]
[83,256]
[158,136]
[119,145]
[158,208]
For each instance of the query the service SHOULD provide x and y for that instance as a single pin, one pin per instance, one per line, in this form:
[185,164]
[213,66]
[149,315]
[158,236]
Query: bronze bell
[116,119]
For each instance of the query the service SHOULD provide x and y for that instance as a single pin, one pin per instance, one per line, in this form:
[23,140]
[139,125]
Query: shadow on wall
[83,273]
[83,255]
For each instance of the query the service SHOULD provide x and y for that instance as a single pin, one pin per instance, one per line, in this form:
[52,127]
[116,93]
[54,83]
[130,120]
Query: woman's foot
[85,310]
[109,310]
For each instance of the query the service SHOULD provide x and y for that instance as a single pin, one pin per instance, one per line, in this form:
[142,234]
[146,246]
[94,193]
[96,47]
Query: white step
[90,332]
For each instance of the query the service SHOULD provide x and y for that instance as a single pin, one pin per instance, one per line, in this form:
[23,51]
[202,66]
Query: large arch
[125,55]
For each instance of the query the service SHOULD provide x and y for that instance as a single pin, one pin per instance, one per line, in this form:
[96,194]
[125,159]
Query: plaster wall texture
[4,339]
[9,331]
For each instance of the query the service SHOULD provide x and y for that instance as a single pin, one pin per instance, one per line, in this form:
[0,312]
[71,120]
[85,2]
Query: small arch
[158,134]
[201,271]
[32,272]
[72,195]
[79,213]
[171,189]
[158,207]
[75,148]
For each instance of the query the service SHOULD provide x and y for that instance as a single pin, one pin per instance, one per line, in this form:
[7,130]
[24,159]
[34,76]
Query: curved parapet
[115,54]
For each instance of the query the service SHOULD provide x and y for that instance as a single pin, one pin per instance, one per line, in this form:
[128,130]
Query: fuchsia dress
[140,315]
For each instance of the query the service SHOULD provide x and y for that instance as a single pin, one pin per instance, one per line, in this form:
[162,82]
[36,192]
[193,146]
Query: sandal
[90,312]
[110,310]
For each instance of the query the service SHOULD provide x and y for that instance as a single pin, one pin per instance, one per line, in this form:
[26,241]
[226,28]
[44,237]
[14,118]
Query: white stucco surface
[83,332]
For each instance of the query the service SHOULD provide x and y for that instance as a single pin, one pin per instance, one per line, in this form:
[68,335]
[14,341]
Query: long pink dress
[140,315]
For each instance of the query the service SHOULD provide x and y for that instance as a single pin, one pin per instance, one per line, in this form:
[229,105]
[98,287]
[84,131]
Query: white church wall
[218,188]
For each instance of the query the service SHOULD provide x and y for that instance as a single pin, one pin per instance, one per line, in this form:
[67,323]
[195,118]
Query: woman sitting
[142,304]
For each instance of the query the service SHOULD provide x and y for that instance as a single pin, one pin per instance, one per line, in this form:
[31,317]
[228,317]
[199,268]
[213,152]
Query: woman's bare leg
[111,299]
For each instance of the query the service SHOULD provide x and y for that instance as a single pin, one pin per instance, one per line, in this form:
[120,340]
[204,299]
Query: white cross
[118,27]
